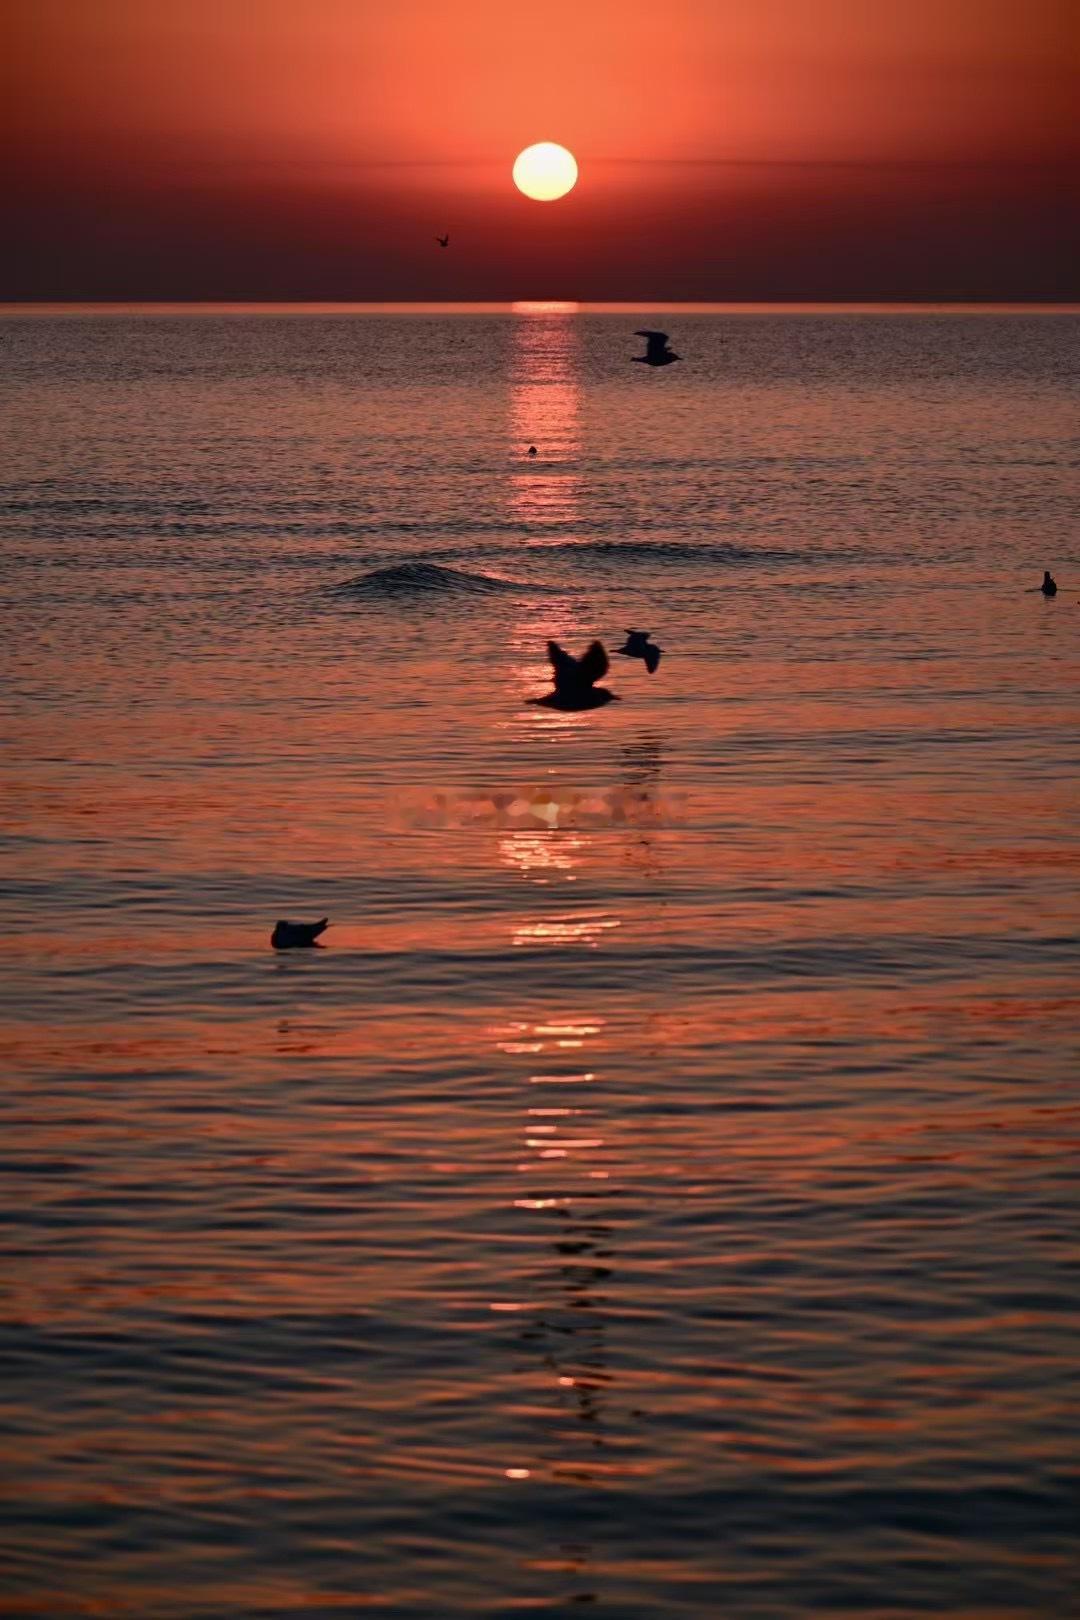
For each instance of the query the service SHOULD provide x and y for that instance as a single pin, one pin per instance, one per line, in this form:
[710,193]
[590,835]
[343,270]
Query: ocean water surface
[659,1198]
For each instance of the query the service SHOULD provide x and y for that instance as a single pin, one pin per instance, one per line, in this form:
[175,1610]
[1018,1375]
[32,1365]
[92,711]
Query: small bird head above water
[288,936]
[531,450]
[1049,584]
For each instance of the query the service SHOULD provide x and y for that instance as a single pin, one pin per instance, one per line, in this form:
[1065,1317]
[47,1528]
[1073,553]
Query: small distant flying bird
[575,679]
[288,936]
[657,352]
[1049,584]
[443,241]
[638,645]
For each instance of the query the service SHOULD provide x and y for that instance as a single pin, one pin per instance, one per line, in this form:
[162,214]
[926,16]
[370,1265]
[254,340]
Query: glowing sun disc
[545,171]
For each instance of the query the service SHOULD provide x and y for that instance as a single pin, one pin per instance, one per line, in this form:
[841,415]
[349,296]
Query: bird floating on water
[575,679]
[443,241]
[1049,584]
[638,645]
[657,350]
[531,451]
[289,936]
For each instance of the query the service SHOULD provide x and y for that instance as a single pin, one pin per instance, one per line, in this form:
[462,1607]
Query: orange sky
[309,147]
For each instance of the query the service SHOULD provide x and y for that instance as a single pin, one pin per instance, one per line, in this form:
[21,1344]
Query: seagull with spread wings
[575,679]
[657,351]
[443,241]
[638,645]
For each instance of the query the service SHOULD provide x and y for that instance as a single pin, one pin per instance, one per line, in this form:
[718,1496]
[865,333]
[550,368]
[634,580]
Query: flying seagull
[638,645]
[443,241]
[575,679]
[657,352]
[1049,584]
[289,936]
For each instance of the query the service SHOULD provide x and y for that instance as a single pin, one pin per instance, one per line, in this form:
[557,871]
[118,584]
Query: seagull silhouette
[1049,584]
[575,679]
[638,645]
[289,936]
[657,352]
[443,241]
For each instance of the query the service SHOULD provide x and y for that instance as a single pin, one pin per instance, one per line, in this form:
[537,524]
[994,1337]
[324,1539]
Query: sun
[545,171]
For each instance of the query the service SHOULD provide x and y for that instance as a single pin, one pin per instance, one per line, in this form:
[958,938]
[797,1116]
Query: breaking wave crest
[425,578]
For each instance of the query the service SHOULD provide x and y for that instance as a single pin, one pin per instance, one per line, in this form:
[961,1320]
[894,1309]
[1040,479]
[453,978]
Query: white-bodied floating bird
[575,679]
[657,351]
[288,936]
[638,645]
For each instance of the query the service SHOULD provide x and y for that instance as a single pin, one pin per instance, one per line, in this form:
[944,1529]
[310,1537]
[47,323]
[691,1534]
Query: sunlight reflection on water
[545,405]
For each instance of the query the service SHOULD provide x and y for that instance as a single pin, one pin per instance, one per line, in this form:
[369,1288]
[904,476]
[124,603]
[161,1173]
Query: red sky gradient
[311,148]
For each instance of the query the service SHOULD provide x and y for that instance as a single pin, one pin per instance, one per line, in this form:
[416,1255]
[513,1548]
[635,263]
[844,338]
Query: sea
[657,1199]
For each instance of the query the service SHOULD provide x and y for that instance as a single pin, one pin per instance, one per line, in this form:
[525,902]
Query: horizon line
[29,307]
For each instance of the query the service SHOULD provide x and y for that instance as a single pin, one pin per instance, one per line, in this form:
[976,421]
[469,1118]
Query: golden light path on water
[545,414]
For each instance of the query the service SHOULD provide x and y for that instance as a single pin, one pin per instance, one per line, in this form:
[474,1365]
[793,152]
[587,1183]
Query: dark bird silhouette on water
[638,645]
[1049,584]
[531,450]
[657,350]
[575,679]
[289,936]
[443,241]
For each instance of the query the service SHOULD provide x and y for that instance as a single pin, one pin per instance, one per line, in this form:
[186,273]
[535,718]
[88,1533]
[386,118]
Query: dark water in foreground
[659,1200]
